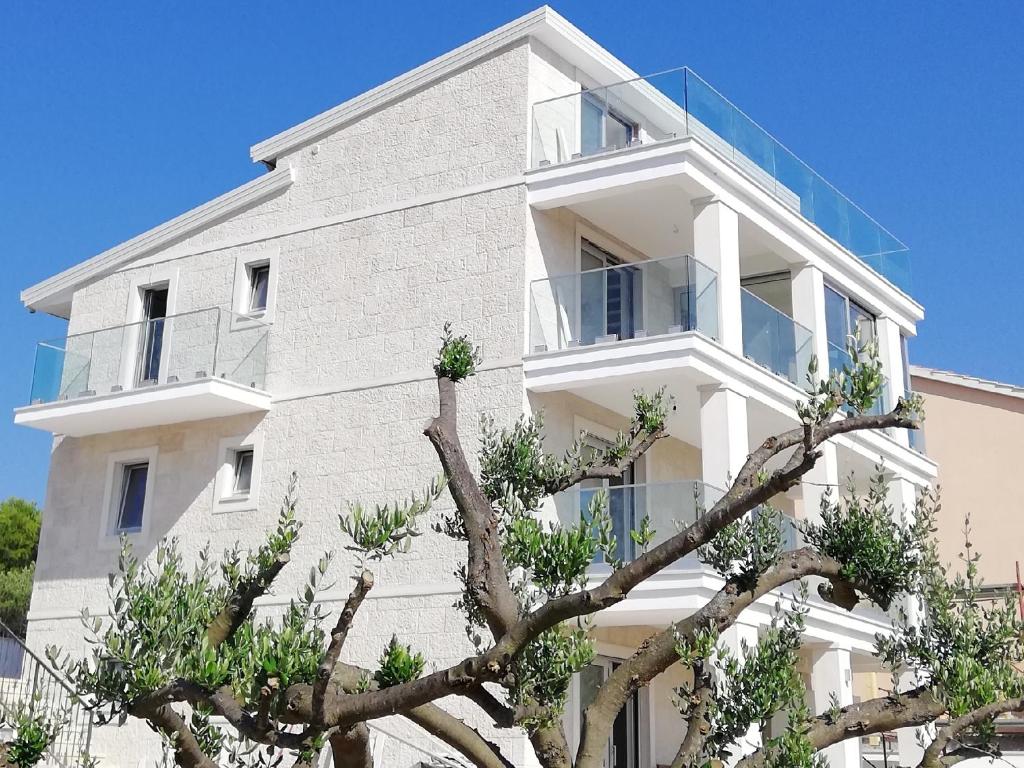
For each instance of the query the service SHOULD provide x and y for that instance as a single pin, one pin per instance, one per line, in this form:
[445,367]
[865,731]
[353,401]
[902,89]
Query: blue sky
[115,117]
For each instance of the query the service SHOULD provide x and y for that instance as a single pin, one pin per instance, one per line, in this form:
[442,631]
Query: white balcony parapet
[196,365]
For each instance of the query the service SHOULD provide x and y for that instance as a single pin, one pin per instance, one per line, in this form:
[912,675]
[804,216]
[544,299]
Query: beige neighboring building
[974,430]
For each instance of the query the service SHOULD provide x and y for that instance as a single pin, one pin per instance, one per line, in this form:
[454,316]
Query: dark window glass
[259,279]
[243,472]
[133,497]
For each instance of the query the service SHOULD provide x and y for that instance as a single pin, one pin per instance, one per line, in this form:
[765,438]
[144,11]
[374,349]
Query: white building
[593,240]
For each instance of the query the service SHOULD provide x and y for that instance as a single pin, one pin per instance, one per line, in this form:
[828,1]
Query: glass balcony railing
[774,340]
[678,103]
[627,301]
[669,507]
[209,343]
[916,436]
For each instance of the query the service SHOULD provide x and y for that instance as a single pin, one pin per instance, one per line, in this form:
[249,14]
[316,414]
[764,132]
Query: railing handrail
[641,263]
[254,319]
[60,701]
[633,486]
[777,311]
[688,71]
[7,633]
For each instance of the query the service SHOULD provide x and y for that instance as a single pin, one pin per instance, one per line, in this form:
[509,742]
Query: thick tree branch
[697,725]
[885,713]
[659,652]
[455,733]
[239,605]
[493,664]
[364,583]
[639,444]
[350,748]
[487,578]
[162,716]
[936,751]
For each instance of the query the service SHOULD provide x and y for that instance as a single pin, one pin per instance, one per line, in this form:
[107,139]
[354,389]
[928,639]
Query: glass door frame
[637,711]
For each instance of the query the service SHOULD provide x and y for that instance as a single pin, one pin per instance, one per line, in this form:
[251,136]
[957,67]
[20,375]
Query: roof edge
[970,382]
[270,149]
[52,294]
[546,24]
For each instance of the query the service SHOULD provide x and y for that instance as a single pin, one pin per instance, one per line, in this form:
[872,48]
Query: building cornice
[970,382]
[53,295]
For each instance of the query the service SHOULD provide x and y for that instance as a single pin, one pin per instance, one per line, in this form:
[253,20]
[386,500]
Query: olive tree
[183,644]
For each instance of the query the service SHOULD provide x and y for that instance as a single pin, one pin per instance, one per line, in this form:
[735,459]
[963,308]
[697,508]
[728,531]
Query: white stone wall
[395,224]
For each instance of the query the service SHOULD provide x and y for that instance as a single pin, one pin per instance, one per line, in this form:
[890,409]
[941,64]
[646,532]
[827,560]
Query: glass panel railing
[669,507]
[915,437]
[774,340]
[627,301]
[679,103]
[209,343]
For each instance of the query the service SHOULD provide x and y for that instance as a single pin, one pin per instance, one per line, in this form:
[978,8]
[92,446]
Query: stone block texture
[406,218]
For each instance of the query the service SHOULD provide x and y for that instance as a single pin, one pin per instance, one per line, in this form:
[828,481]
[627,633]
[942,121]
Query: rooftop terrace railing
[678,103]
[208,343]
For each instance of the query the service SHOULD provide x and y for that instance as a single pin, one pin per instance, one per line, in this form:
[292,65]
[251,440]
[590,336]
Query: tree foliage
[183,643]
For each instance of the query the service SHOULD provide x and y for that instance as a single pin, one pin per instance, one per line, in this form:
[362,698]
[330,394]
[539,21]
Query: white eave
[53,295]
[544,24]
[970,382]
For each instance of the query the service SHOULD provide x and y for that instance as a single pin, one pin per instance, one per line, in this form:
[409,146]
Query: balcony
[627,301]
[668,507]
[774,340]
[659,298]
[197,365]
[676,104]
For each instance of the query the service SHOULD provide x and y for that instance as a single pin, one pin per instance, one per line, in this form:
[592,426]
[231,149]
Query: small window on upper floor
[259,287]
[131,497]
[242,484]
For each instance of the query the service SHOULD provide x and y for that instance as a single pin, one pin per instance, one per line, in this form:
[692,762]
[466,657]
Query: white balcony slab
[148,407]
[608,373]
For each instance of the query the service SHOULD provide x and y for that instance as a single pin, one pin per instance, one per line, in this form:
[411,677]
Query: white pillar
[909,741]
[890,352]
[824,475]
[832,673]
[723,434]
[734,639]
[716,243]
[809,310]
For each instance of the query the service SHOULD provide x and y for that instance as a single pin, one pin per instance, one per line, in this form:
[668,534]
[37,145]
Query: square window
[259,284]
[132,497]
[242,484]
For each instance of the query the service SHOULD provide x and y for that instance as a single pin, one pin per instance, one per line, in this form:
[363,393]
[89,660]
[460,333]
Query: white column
[909,740]
[832,673]
[824,475]
[890,352]
[716,243]
[723,434]
[902,494]
[809,309]
[734,639]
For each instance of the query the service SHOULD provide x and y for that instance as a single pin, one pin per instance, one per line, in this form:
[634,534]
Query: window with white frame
[255,287]
[242,475]
[127,502]
[238,478]
[131,497]
[259,287]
